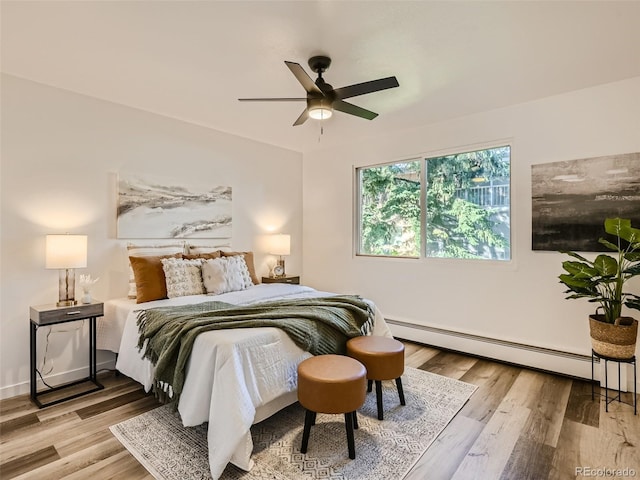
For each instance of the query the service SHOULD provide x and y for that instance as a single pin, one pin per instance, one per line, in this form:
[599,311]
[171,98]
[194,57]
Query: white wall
[521,301]
[61,154]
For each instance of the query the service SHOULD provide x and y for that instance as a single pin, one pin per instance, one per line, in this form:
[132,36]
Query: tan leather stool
[384,359]
[331,384]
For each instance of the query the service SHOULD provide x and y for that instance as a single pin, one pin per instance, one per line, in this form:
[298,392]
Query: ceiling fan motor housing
[319,63]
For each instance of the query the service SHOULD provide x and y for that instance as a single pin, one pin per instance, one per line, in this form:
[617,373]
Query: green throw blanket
[317,325]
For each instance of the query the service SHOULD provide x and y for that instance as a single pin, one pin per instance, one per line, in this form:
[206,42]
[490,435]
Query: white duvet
[235,377]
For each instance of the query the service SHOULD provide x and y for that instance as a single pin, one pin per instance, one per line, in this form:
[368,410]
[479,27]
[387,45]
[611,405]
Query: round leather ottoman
[384,360]
[331,384]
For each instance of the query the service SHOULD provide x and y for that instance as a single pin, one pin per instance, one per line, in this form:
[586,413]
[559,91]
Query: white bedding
[234,378]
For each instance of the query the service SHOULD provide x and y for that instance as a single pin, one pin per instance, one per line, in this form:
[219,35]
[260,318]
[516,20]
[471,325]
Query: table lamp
[280,245]
[66,253]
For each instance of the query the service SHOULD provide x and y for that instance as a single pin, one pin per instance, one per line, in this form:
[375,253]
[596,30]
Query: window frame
[423,158]
[357,238]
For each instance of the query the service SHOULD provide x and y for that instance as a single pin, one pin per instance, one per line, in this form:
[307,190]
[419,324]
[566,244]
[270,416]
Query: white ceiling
[193,60]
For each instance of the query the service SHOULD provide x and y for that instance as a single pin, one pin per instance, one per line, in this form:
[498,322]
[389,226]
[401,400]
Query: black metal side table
[619,361]
[45,315]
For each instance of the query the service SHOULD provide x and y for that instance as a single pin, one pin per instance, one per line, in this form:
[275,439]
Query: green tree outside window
[468,205]
[390,210]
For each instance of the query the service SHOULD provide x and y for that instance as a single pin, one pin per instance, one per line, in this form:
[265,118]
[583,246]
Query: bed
[234,377]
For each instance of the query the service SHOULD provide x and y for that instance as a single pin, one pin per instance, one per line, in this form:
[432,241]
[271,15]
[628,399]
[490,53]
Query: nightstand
[285,279]
[46,315]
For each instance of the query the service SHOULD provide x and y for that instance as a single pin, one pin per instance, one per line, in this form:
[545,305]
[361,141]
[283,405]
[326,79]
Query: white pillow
[244,270]
[184,277]
[214,276]
[238,273]
[134,250]
[225,274]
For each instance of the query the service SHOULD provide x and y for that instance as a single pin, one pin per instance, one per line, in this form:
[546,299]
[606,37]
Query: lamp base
[66,303]
[67,288]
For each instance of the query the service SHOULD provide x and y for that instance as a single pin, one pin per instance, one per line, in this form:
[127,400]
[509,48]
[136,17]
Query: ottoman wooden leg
[379,399]
[355,421]
[369,385]
[308,421]
[400,390]
[348,420]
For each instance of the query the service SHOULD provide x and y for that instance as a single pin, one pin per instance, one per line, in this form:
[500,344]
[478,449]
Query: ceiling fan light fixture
[320,113]
[319,109]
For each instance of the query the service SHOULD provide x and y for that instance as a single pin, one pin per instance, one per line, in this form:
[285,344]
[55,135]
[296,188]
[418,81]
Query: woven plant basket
[613,340]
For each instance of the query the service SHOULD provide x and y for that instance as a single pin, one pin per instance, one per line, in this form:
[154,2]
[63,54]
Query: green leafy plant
[603,280]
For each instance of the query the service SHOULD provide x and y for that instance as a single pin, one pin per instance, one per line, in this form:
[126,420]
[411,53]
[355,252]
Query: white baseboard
[556,361]
[55,379]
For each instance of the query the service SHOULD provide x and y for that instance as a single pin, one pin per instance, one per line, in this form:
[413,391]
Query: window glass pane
[389,220]
[468,205]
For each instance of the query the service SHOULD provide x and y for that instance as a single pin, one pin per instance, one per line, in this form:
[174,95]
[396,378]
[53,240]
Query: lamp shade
[66,251]
[280,245]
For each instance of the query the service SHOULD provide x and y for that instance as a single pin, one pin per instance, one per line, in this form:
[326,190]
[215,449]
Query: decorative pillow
[225,274]
[183,277]
[149,276]
[243,268]
[214,276]
[197,249]
[235,282]
[203,256]
[134,250]
[248,258]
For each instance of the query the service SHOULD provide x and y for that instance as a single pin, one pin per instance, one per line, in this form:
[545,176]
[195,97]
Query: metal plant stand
[619,361]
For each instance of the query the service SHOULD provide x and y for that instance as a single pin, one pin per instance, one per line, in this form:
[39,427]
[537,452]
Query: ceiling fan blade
[366,87]
[304,78]
[302,118]
[353,110]
[271,99]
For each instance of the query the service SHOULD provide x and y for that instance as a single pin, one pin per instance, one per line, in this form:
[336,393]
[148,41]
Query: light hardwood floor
[519,424]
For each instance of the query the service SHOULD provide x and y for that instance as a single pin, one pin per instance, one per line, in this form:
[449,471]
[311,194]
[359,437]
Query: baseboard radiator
[532,356]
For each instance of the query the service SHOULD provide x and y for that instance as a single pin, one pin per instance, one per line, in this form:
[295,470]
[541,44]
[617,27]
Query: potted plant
[603,281]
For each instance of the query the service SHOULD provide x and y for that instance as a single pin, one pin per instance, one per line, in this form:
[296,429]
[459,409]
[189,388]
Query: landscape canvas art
[158,208]
[571,199]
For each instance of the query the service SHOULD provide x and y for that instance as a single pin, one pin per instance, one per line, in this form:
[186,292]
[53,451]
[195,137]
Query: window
[390,209]
[468,205]
[461,210]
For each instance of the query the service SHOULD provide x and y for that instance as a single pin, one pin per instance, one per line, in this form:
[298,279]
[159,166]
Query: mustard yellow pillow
[151,283]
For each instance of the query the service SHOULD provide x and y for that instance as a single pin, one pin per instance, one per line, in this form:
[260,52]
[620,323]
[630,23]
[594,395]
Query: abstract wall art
[161,208]
[571,199]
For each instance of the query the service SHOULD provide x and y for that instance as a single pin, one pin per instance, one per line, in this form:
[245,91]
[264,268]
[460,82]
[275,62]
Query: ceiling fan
[322,98]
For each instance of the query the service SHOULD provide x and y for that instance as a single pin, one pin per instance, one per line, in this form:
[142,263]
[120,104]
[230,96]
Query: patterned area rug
[384,449]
